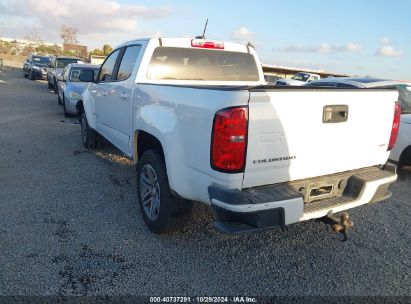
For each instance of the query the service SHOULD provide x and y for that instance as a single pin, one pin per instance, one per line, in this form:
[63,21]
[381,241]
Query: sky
[358,37]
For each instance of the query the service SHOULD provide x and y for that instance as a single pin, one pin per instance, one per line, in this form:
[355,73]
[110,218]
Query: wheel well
[405,157]
[79,107]
[145,141]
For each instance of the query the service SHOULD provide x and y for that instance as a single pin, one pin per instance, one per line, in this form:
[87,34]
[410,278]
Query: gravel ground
[70,225]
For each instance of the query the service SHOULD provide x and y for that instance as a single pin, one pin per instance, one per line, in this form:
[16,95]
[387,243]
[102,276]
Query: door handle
[124,95]
[335,113]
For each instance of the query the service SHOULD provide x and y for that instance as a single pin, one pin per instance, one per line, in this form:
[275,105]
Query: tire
[55,86]
[161,211]
[24,74]
[50,86]
[66,114]
[90,138]
[59,101]
[405,158]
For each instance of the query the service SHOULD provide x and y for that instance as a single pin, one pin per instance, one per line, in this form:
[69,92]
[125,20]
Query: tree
[104,52]
[34,36]
[107,49]
[69,34]
[97,52]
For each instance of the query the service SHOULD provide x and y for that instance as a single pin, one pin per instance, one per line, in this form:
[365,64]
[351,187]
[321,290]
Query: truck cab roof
[188,43]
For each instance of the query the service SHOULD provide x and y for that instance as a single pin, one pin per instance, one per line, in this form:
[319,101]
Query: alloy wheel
[150,192]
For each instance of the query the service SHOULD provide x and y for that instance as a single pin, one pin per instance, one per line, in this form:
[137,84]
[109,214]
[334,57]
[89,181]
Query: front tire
[59,101]
[55,86]
[89,136]
[66,114]
[31,75]
[162,212]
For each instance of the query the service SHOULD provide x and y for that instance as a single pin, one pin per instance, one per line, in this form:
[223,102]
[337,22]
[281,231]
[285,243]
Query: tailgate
[290,137]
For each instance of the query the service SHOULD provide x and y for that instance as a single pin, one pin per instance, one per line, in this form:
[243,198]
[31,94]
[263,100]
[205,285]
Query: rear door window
[127,62]
[200,64]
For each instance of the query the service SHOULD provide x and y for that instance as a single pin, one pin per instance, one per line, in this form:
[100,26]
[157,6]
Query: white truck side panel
[181,119]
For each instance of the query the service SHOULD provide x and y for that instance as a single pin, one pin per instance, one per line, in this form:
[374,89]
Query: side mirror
[86,76]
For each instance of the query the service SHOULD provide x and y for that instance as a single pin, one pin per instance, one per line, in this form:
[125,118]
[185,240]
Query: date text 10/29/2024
[203,300]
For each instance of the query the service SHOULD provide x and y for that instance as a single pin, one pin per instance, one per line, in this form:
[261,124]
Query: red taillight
[200,43]
[229,139]
[395,126]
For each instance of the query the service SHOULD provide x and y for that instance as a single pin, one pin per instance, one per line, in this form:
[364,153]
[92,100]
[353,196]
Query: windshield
[200,64]
[63,62]
[40,60]
[301,77]
[404,98]
[75,73]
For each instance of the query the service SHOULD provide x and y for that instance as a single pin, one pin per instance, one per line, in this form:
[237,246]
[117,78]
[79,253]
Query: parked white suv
[201,126]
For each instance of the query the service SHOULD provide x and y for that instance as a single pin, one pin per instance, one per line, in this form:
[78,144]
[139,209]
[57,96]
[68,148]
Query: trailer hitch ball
[342,224]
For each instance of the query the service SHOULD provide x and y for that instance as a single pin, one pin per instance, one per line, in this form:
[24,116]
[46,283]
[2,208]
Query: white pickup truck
[201,125]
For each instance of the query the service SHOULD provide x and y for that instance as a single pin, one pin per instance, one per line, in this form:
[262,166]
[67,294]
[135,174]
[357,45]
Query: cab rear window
[197,64]
[63,62]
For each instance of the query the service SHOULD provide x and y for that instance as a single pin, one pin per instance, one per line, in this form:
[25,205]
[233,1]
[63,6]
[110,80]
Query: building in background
[288,72]
[96,59]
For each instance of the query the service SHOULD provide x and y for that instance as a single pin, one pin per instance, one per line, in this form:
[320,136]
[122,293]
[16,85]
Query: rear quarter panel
[181,118]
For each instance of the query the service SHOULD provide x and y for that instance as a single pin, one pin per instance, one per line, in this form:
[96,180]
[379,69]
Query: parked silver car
[56,67]
[70,88]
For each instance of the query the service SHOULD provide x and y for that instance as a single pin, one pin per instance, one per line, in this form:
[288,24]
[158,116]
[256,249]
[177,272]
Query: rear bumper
[275,206]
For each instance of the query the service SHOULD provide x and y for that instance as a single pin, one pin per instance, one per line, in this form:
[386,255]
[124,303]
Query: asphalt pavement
[70,225]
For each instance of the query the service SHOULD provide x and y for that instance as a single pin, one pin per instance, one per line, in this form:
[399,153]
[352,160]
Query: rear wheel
[162,212]
[405,158]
